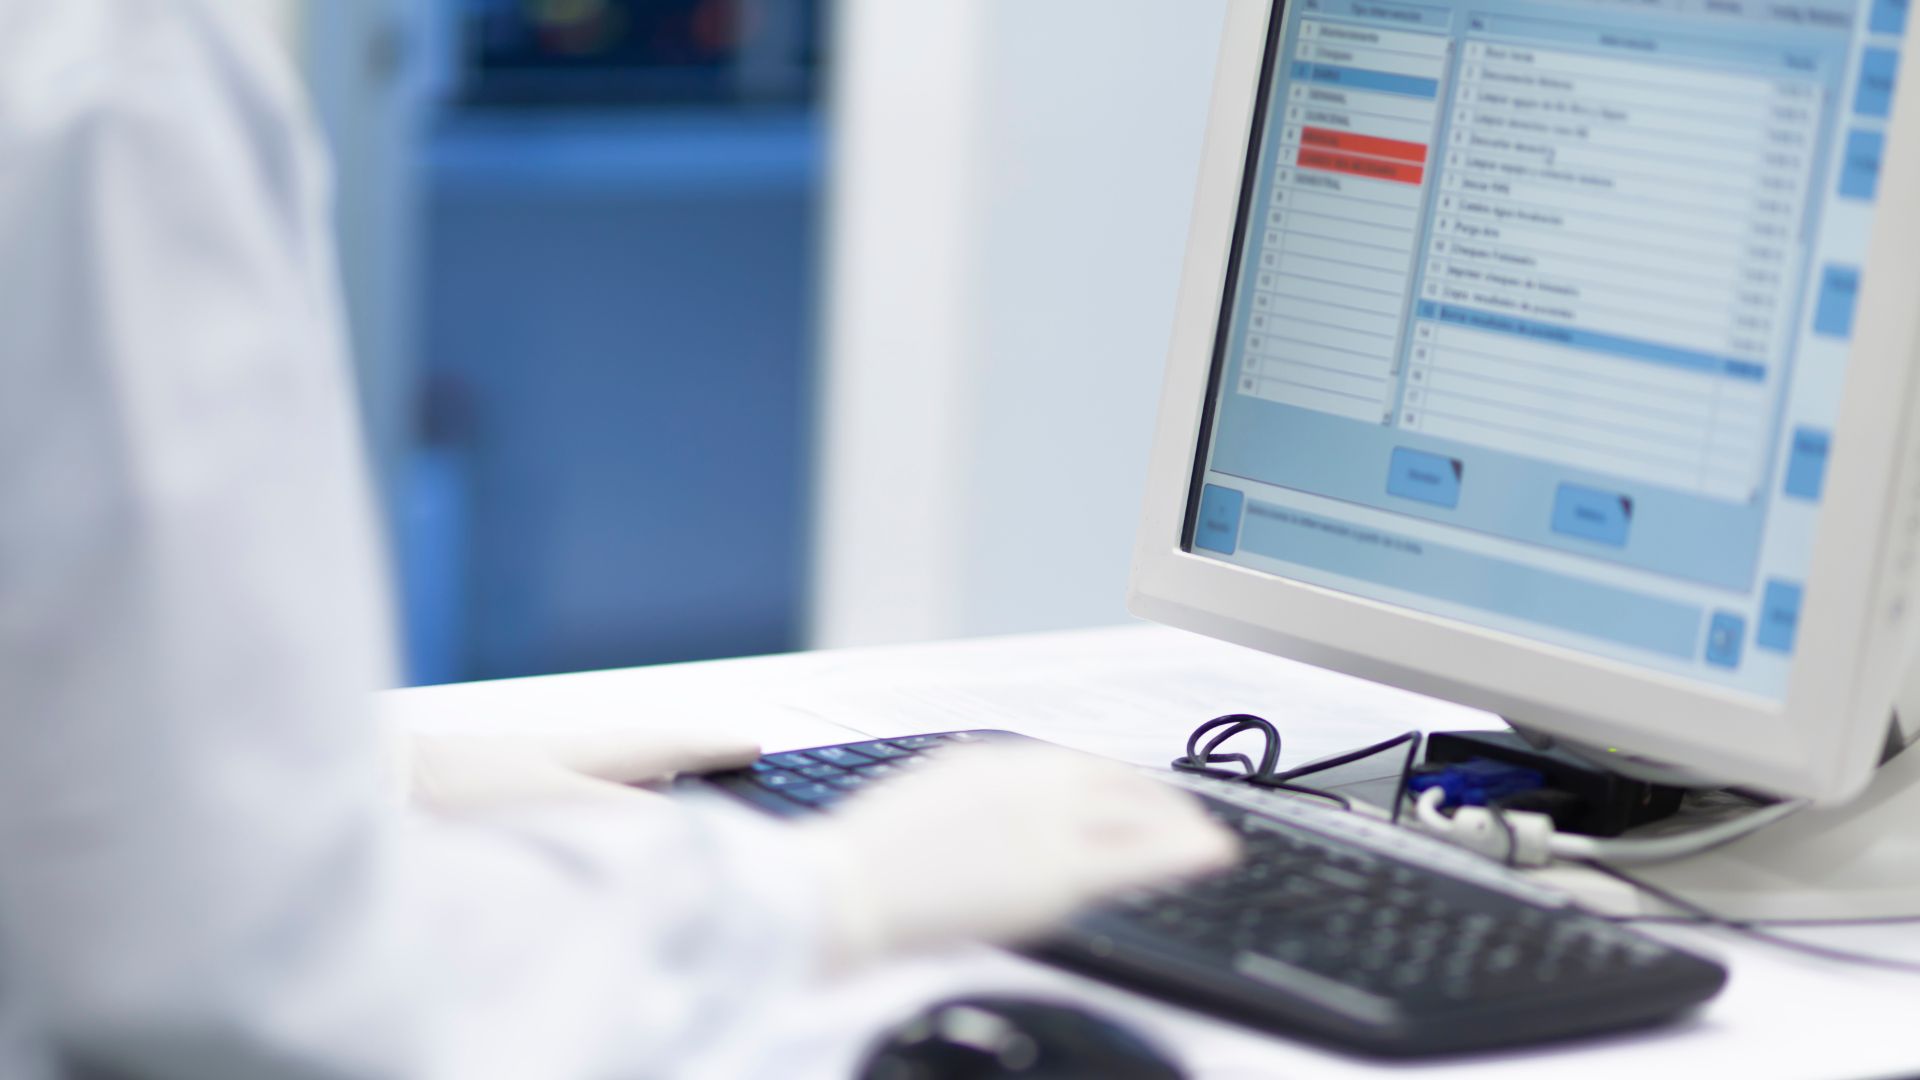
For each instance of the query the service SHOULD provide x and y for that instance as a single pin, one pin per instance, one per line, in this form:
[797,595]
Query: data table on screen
[1612,259]
[1343,227]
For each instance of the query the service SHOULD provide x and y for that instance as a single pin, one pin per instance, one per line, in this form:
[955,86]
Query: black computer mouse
[999,1038]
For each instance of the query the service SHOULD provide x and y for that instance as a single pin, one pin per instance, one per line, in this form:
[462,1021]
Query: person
[205,871]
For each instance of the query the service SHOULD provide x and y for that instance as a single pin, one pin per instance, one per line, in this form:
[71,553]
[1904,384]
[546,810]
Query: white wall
[1013,183]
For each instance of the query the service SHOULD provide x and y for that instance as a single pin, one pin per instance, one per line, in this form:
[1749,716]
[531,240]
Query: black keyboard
[1333,927]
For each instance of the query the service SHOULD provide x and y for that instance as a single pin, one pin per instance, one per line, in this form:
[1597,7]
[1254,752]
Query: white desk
[1134,693]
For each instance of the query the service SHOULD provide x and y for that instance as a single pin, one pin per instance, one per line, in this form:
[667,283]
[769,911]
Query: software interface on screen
[1542,311]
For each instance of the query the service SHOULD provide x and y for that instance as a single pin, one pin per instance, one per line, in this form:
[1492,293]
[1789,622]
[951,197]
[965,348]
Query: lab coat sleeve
[203,872]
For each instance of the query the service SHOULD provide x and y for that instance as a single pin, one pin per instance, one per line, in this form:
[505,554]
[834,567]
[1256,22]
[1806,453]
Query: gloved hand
[457,773]
[1001,844]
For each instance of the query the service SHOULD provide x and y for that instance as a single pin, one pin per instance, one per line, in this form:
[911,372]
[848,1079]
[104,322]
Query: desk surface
[1134,693]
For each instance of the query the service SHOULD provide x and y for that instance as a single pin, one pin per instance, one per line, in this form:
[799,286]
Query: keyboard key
[847,781]
[797,759]
[778,780]
[920,742]
[822,773]
[811,794]
[883,751]
[844,756]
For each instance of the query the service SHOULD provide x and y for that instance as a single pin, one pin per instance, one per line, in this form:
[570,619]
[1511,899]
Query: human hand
[1002,844]
[465,773]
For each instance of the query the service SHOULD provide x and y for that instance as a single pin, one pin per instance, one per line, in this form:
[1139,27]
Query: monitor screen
[1540,312]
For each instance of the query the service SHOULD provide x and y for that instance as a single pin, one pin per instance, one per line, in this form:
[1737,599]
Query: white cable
[1521,838]
[1678,846]
[1516,837]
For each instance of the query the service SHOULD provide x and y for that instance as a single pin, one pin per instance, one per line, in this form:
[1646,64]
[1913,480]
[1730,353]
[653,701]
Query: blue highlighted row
[1590,341]
[1358,79]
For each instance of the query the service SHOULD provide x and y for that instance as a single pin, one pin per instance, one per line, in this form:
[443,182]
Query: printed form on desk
[1132,693]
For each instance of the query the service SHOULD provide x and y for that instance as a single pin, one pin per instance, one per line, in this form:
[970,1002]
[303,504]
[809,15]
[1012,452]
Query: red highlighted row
[1370,145]
[1370,168]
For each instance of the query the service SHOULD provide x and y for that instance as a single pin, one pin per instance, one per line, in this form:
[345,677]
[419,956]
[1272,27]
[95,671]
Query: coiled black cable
[1205,760]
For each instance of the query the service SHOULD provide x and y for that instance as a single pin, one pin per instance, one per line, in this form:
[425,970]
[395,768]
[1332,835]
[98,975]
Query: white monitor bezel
[1821,743]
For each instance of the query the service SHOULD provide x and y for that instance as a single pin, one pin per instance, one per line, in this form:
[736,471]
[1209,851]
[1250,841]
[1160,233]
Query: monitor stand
[1851,862]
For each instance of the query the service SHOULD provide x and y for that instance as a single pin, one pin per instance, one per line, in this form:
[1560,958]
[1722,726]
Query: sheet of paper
[1129,694]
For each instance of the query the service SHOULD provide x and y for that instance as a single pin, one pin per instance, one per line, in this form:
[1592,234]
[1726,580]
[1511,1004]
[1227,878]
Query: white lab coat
[203,872]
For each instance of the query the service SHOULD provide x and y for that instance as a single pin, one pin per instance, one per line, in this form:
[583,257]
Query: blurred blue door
[618,202]
[618,321]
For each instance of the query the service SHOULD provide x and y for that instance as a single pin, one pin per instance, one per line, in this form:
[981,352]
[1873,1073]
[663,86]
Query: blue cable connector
[1479,782]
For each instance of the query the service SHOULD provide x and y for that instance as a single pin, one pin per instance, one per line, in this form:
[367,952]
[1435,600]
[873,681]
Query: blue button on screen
[1725,640]
[1807,464]
[1779,617]
[1590,514]
[1428,478]
[1889,17]
[1879,68]
[1219,526]
[1860,168]
[1839,293]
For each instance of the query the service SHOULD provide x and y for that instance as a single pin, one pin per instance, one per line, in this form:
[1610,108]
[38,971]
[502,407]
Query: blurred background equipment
[590,247]
[619,228]
[578,240]
[644,51]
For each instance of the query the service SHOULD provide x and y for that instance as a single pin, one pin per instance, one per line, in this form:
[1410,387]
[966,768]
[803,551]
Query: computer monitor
[1557,357]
